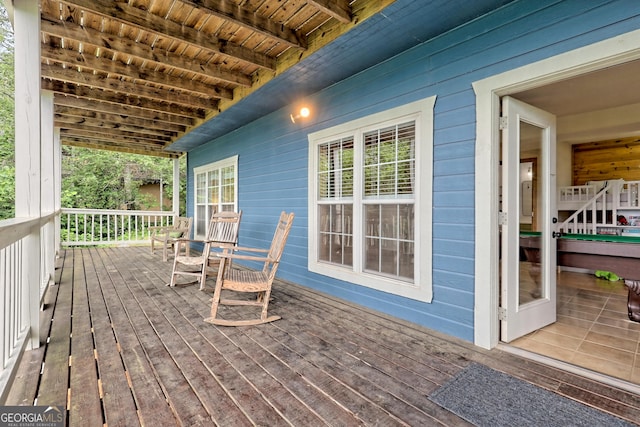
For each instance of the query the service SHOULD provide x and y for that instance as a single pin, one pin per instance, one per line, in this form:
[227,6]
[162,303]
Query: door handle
[556,234]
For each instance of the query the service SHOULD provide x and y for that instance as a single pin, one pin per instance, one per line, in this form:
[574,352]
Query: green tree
[97,179]
[7,121]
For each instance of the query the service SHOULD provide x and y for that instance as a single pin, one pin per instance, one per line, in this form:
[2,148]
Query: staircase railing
[584,220]
[602,212]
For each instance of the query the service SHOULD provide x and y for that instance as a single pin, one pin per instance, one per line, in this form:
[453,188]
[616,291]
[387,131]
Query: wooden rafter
[135,75]
[181,64]
[142,20]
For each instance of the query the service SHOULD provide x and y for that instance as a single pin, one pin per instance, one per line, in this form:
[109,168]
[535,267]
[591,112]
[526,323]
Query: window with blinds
[388,171]
[335,207]
[366,196]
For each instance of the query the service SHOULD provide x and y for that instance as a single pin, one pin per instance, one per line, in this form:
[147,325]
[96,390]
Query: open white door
[528,272]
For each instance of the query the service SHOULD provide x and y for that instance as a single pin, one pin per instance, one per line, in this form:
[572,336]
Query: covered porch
[119,347]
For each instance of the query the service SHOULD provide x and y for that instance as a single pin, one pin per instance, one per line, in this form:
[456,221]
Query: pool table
[618,254]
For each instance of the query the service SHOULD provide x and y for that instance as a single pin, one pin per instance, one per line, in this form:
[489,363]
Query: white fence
[28,250]
[90,227]
[27,254]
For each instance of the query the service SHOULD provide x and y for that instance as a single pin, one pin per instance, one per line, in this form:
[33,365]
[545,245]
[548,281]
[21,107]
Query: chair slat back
[183,225]
[183,222]
[277,244]
[224,227]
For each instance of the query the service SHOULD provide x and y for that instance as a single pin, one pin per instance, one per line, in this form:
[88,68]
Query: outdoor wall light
[303,113]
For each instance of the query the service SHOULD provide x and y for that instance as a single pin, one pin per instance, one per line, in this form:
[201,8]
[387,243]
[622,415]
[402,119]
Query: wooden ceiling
[135,75]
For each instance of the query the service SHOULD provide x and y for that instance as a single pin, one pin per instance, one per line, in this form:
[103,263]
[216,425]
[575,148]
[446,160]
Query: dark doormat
[486,397]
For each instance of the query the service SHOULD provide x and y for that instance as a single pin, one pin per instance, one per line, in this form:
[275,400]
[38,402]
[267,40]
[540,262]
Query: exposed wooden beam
[119,147]
[107,126]
[145,21]
[238,15]
[125,88]
[323,36]
[79,114]
[338,9]
[115,134]
[144,112]
[69,30]
[141,76]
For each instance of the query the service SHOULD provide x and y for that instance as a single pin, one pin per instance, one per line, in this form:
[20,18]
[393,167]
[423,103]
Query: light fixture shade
[302,113]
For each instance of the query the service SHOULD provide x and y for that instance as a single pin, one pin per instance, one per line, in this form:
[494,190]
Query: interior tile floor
[592,330]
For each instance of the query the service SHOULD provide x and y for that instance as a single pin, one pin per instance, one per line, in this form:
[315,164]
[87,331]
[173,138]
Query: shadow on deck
[122,349]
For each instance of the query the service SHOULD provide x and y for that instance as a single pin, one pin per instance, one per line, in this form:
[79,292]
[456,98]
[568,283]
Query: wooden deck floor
[122,349]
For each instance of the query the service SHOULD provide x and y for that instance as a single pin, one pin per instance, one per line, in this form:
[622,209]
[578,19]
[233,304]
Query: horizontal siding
[273,152]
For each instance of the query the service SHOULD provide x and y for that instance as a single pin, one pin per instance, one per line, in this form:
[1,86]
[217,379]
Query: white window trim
[229,161]
[422,289]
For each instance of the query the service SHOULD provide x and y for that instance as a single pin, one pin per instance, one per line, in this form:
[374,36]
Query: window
[215,191]
[370,201]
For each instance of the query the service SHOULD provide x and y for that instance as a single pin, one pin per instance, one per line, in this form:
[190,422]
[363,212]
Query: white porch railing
[28,250]
[27,254]
[89,227]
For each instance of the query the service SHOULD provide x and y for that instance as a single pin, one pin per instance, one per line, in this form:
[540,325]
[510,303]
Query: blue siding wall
[273,151]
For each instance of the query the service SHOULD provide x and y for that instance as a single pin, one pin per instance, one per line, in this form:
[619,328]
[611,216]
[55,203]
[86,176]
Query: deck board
[85,403]
[125,349]
[53,387]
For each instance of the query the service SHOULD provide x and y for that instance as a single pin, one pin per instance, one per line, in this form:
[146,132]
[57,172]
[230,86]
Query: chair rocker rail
[250,281]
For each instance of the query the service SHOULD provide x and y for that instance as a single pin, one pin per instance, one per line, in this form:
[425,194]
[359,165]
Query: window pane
[214,187]
[201,222]
[335,234]
[228,185]
[201,188]
[335,169]
[346,168]
[389,239]
[388,222]
[405,178]
[389,161]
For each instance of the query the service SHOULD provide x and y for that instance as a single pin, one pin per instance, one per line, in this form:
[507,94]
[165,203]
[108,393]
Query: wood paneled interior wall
[603,160]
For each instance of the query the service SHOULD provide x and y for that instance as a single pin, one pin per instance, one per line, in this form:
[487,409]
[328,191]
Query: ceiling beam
[118,146]
[119,45]
[146,21]
[64,121]
[329,32]
[113,134]
[143,75]
[93,82]
[233,13]
[71,113]
[144,111]
[338,9]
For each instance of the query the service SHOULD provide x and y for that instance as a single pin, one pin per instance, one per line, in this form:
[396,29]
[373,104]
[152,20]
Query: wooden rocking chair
[258,282]
[222,233]
[167,235]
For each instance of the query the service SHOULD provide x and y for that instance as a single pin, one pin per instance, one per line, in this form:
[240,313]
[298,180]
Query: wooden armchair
[222,233]
[258,282]
[166,236]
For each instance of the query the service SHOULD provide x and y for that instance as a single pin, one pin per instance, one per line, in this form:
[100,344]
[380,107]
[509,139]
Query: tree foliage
[7,121]
[95,179]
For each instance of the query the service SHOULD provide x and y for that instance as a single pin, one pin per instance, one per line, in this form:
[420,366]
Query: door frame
[613,51]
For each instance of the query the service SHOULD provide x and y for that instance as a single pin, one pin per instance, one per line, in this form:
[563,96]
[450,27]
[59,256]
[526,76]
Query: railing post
[176,188]
[48,183]
[28,152]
